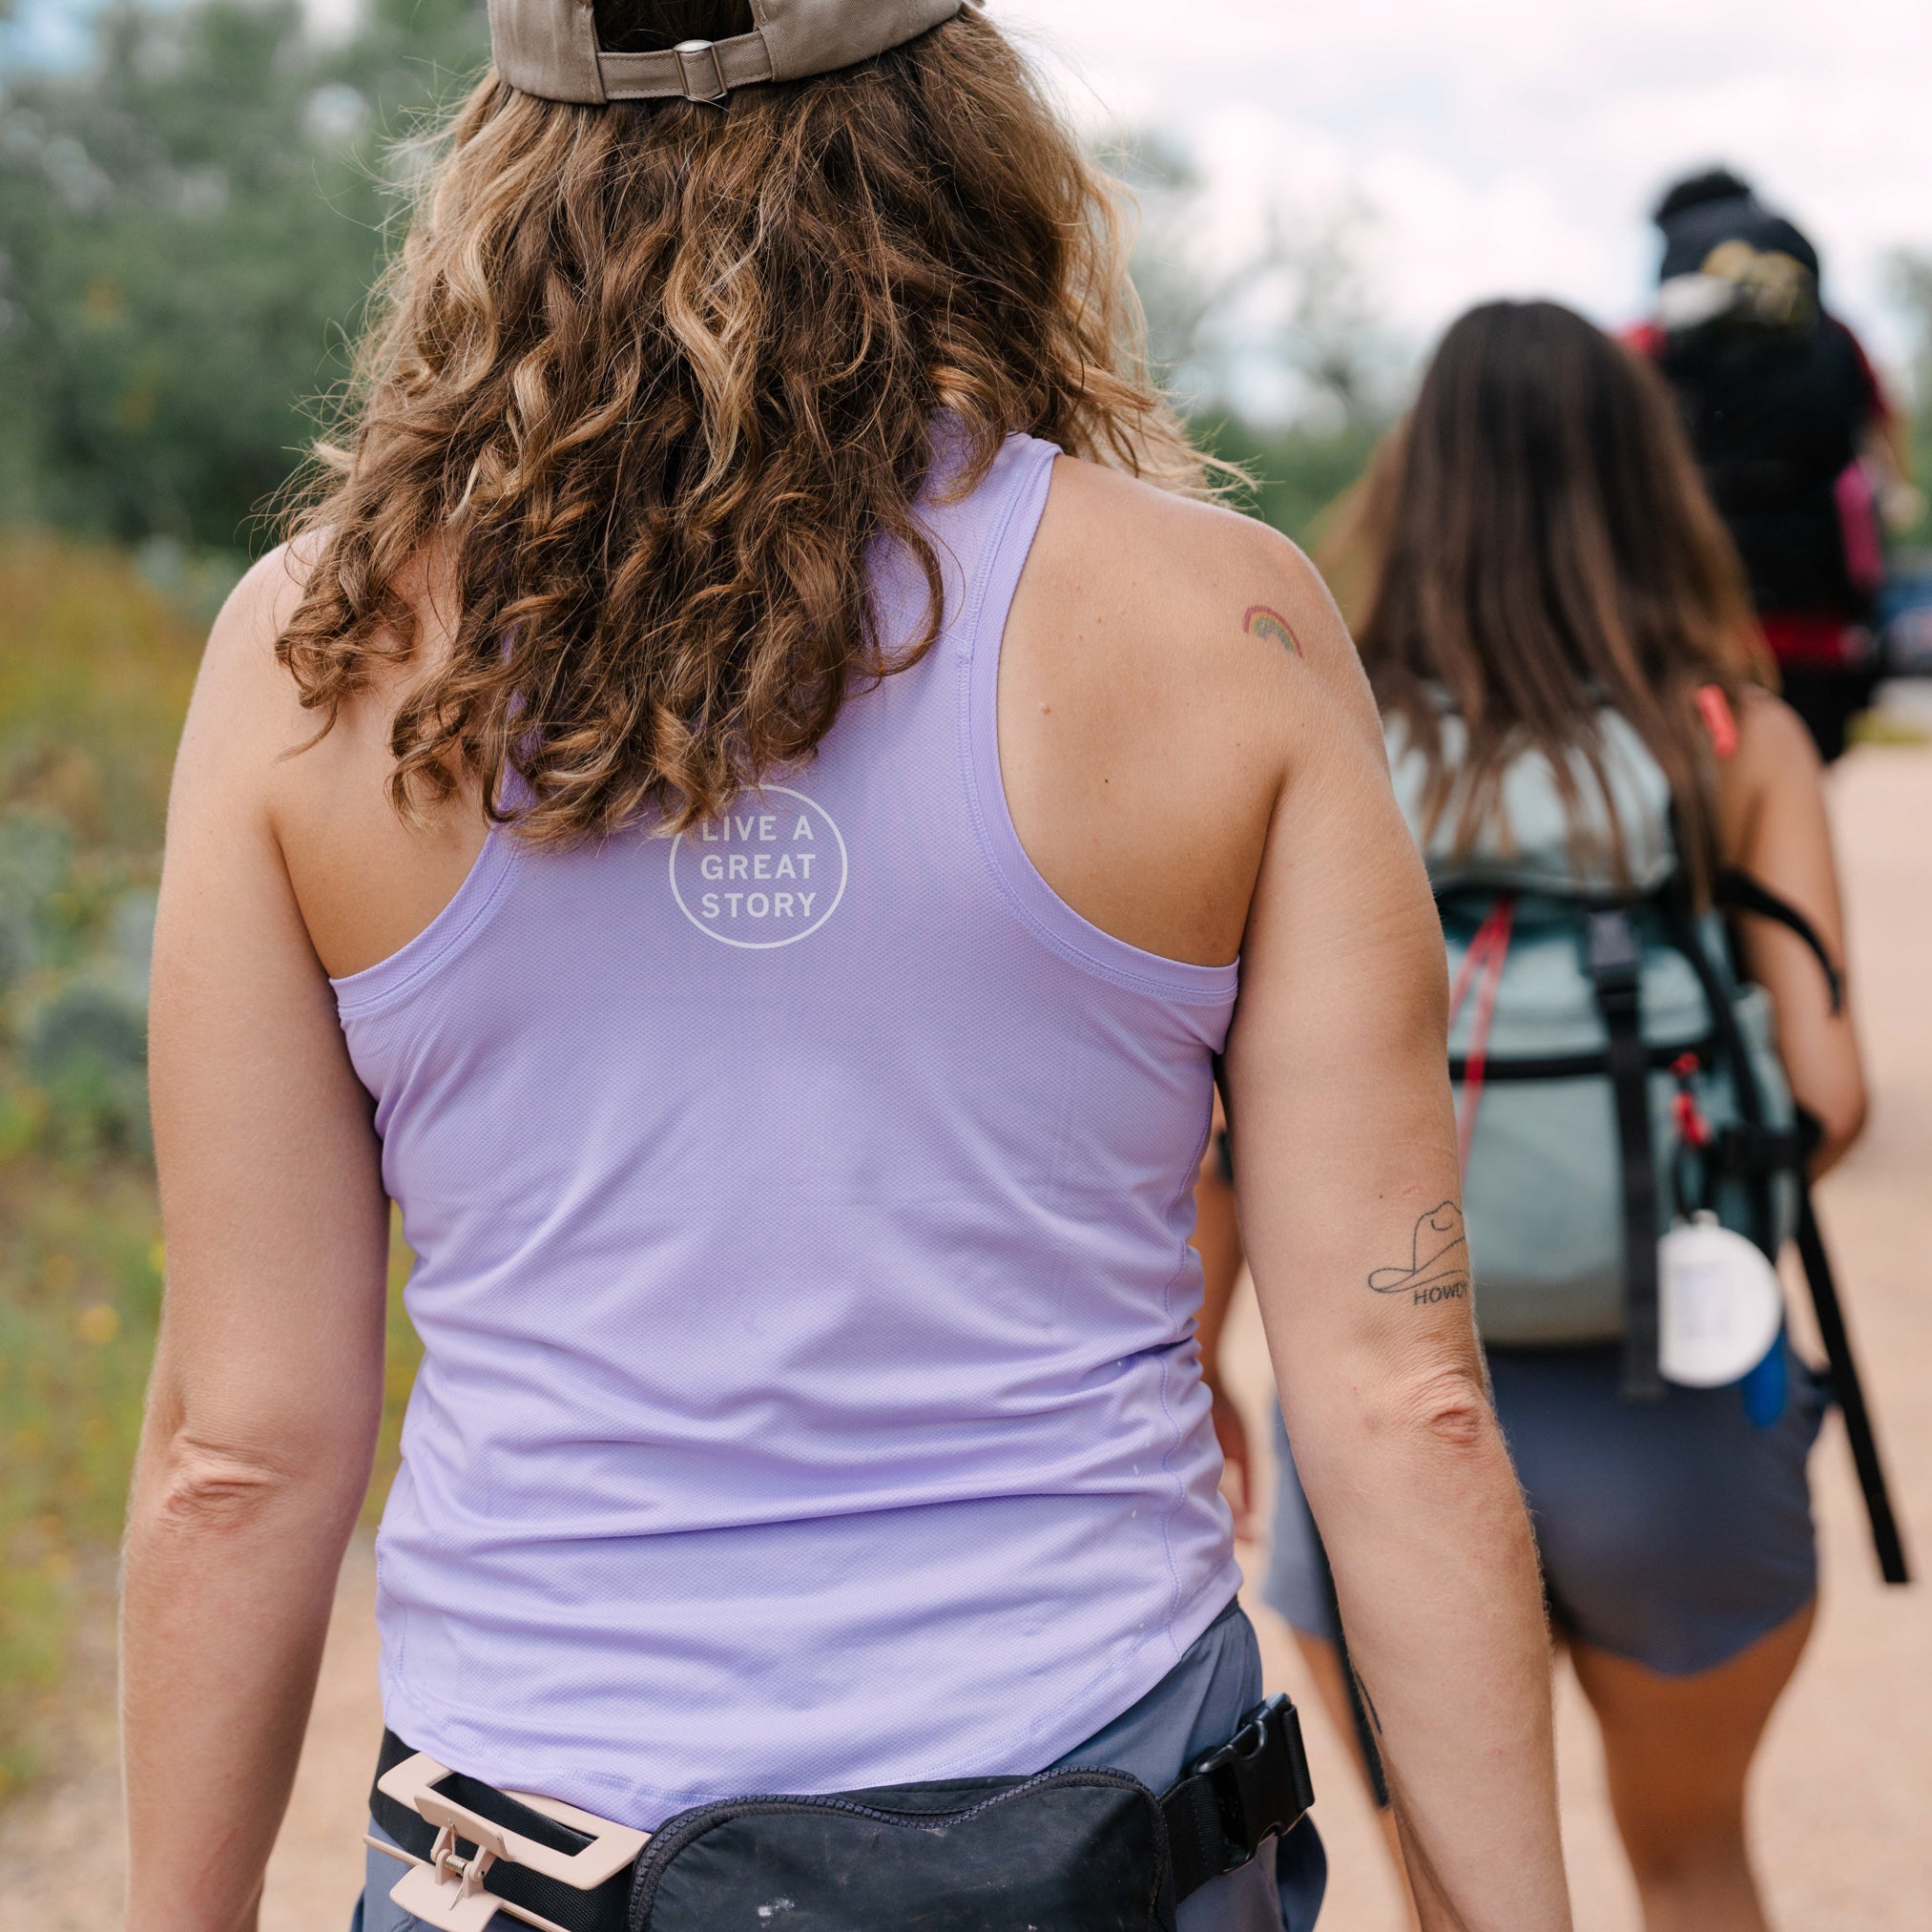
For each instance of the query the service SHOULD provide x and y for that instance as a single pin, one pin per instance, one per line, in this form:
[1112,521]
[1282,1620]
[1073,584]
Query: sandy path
[1845,1782]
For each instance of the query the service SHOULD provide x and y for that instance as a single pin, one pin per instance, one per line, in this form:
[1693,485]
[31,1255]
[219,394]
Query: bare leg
[1679,1750]
[1324,1664]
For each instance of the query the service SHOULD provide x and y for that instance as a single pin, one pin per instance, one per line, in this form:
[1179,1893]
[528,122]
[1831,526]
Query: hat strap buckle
[689,52]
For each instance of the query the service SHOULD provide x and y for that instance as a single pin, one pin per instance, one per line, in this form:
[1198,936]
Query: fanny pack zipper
[683,1831]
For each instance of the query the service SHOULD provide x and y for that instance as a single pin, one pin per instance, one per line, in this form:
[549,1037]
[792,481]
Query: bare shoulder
[1170,670]
[1199,598]
[1775,761]
[1168,554]
[1771,737]
[245,712]
[256,610]
[364,880]
[257,699]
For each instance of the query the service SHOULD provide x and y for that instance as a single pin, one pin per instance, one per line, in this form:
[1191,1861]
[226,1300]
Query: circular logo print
[770,872]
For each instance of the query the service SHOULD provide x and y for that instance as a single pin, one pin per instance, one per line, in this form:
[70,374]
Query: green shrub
[95,668]
[94,673]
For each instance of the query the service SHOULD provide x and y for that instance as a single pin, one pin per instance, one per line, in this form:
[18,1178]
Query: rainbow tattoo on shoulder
[1262,620]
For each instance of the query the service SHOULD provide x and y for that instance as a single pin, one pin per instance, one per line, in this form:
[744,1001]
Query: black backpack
[1774,417]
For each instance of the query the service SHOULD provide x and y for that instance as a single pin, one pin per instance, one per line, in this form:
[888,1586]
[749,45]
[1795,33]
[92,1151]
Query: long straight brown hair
[658,378]
[1533,545]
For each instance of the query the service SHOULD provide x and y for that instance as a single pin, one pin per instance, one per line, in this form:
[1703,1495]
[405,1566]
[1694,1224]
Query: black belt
[1228,1805]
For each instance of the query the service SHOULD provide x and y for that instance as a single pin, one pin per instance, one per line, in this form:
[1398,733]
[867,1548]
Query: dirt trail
[1845,1782]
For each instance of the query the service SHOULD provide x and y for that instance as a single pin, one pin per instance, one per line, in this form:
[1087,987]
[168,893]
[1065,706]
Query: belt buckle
[1262,1792]
[446,1891]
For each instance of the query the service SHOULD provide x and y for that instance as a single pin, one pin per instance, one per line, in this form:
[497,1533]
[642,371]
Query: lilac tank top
[810,1397]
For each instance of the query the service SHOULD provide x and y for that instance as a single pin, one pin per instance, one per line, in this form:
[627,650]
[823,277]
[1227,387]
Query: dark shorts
[1673,1534]
[1197,1705]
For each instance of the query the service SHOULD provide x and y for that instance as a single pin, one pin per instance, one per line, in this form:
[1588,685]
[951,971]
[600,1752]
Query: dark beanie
[1700,211]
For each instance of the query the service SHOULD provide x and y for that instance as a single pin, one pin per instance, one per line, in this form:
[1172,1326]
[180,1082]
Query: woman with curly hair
[724,813]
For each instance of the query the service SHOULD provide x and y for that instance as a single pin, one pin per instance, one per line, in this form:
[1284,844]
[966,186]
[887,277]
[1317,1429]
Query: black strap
[1760,1148]
[1720,997]
[1738,892]
[1254,1788]
[1613,958]
[1745,1150]
[1505,1068]
[1849,1391]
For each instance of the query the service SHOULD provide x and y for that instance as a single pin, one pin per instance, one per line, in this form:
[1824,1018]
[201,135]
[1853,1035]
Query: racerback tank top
[809,1396]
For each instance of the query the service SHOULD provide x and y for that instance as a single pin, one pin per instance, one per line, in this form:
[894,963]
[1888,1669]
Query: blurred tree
[1911,287]
[1300,469]
[1281,357]
[1351,368]
[188,226]
[1290,325]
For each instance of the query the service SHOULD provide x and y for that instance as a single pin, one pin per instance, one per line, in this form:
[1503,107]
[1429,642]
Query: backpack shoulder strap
[1614,959]
[1735,891]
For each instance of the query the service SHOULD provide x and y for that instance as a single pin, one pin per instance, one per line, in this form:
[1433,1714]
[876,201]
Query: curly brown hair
[656,378]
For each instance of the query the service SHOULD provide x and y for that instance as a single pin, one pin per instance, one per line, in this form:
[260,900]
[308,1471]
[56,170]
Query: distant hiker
[1558,635]
[766,903]
[1792,429]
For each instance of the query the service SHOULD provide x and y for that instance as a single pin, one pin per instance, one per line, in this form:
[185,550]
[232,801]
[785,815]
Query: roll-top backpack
[1613,1071]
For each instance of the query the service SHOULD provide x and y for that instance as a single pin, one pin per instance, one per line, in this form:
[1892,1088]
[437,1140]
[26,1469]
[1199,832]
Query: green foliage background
[188,227]
[95,667]
[94,670]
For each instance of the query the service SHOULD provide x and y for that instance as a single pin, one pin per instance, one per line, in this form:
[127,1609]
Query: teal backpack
[1612,1072]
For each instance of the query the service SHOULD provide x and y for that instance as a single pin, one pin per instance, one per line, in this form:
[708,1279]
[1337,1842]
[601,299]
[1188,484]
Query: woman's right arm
[1776,828]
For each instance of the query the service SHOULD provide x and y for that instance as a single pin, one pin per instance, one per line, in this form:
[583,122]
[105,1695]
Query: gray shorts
[1675,1534]
[1196,1706]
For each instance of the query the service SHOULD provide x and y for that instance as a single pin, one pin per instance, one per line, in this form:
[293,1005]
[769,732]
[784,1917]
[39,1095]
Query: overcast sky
[1504,146]
[1514,146]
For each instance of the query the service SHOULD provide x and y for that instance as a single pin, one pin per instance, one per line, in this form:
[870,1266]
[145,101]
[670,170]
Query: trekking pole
[1850,1393]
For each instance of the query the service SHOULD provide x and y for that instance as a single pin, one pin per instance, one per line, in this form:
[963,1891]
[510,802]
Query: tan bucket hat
[548,47]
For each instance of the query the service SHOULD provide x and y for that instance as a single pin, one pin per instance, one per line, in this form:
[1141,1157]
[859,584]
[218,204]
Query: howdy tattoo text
[1262,620]
[1438,1267]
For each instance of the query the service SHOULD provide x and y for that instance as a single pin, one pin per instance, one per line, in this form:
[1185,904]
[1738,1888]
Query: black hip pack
[1066,1851]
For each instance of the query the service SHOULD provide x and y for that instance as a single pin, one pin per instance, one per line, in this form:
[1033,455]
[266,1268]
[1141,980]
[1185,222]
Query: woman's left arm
[267,1384]
[1777,829]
